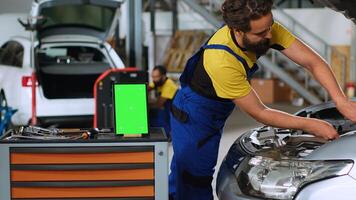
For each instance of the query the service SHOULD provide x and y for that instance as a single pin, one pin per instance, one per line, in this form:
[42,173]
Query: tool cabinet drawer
[82,173]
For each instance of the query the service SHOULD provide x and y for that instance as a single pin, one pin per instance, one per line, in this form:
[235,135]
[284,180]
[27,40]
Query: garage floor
[238,123]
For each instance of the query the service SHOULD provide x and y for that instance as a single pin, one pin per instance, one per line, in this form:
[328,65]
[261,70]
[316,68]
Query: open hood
[96,18]
[294,143]
[346,7]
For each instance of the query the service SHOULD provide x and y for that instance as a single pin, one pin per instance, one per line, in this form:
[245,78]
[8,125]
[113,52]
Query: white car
[270,163]
[69,53]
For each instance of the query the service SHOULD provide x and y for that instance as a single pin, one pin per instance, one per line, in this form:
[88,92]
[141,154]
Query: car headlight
[281,179]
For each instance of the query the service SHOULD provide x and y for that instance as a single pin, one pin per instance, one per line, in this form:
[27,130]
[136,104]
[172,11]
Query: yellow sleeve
[169,89]
[151,85]
[226,73]
[281,37]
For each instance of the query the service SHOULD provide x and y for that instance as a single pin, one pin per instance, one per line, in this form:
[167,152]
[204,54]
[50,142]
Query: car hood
[343,148]
[97,18]
[296,144]
[277,163]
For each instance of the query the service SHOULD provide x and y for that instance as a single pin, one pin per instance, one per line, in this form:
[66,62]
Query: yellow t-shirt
[168,89]
[227,74]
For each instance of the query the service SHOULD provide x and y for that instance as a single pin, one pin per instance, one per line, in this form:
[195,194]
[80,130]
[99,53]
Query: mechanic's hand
[321,129]
[348,109]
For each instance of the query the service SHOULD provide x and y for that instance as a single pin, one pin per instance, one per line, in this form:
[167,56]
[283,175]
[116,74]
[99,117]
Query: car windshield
[91,16]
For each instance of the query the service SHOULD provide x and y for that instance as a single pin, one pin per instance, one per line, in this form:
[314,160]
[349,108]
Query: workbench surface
[155,135]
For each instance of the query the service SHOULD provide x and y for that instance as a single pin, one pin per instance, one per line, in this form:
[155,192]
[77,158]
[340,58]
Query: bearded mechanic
[165,90]
[216,79]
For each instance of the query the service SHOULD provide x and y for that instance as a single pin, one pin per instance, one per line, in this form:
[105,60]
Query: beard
[260,48]
[160,82]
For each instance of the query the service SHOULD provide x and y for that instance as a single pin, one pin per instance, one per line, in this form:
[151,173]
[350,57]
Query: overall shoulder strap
[228,49]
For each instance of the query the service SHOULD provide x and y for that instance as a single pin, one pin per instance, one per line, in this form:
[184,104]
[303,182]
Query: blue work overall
[197,124]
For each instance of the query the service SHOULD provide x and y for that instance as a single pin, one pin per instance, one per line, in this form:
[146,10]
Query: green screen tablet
[130,109]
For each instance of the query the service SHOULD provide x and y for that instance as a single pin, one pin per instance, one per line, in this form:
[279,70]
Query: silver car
[270,163]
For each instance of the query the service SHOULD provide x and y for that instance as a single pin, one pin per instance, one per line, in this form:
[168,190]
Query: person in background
[164,90]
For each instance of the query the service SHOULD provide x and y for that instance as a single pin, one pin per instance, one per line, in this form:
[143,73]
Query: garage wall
[11,27]
[15,6]
[10,11]
[329,25]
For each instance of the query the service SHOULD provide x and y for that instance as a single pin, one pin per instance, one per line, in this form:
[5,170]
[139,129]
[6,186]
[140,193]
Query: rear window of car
[72,60]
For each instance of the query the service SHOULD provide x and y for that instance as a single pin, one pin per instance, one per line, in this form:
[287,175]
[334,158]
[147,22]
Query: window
[69,55]
[12,54]
[72,60]
[91,16]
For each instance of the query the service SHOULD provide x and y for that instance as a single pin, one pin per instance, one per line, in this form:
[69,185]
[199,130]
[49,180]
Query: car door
[12,72]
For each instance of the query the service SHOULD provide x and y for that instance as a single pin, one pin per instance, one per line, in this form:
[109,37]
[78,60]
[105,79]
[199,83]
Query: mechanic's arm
[306,57]
[253,106]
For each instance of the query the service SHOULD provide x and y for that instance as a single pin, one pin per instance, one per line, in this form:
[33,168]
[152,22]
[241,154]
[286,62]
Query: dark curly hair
[237,14]
[162,70]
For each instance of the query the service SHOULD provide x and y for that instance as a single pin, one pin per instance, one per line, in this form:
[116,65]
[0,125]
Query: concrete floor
[238,123]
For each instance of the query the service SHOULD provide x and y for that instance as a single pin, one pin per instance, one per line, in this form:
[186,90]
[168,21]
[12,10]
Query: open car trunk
[96,18]
[69,72]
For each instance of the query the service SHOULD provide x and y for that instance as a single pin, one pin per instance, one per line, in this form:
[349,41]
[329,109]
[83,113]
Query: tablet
[130,108]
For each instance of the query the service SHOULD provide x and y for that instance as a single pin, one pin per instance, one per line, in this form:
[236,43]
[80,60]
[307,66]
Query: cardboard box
[271,90]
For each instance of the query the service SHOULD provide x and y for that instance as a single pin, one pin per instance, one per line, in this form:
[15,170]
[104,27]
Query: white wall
[11,27]
[15,6]
[186,21]
[10,11]
[329,25]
